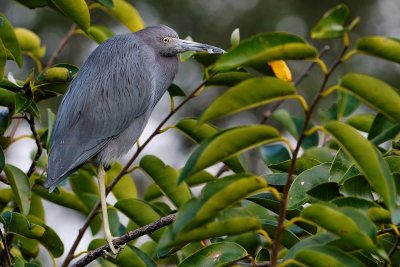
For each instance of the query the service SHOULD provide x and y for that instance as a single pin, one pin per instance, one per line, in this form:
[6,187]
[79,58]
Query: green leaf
[29,248]
[175,90]
[125,188]
[77,10]
[229,78]
[382,130]
[218,195]
[260,49]
[305,182]
[369,161]
[20,186]
[83,184]
[37,208]
[63,197]
[233,226]
[29,42]
[249,94]
[348,223]
[106,3]
[319,239]
[380,46]
[99,33]
[21,103]
[17,223]
[356,187]
[34,3]
[226,144]
[9,40]
[347,104]
[285,119]
[354,202]
[317,256]
[128,257]
[324,192]
[302,164]
[166,178]
[294,125]
[126,14]
[191,129]
[50,240]
[342,167]
[149,262]
[216,254]
[3,59]
[289,239]
[141,212]
[374,92]
[274,153]
[55,74]
[200,178]
[331,25]
[361,122]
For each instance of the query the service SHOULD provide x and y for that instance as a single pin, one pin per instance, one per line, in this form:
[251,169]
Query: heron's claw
[115,250]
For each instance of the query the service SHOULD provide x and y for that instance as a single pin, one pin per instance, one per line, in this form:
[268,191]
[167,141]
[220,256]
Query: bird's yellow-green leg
[106,225]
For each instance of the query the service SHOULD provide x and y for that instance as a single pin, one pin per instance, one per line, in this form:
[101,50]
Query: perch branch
[147,229]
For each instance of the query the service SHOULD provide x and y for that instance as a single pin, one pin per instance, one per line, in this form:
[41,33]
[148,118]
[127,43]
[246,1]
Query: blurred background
[209,22]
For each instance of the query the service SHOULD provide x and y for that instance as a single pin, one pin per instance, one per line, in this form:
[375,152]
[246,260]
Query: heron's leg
[106,226]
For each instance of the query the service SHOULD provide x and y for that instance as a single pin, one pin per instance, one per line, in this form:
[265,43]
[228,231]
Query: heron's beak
[184,45]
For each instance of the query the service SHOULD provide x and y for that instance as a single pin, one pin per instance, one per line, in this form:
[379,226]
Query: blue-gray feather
[107,105]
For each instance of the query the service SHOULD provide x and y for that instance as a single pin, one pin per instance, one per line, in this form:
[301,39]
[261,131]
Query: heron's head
[166,41]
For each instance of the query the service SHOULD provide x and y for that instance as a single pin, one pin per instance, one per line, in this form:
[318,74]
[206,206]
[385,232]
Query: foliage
[328,199]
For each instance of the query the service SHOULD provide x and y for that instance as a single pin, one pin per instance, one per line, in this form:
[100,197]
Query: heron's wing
[113,87]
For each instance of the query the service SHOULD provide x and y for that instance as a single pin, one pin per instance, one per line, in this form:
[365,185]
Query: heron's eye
[166,40]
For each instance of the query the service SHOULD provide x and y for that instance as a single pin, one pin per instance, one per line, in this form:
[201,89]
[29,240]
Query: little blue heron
[110,100]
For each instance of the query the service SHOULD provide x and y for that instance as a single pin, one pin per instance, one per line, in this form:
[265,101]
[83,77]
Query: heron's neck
[166,70]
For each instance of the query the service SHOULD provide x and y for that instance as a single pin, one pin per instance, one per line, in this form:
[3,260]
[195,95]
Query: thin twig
[283,202]
[125,170]
[390,230]
[118,242]
[61,46]
[392,250]
[39,151]
[6,249]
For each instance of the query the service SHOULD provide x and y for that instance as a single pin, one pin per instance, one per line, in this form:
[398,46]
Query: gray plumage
[110,100]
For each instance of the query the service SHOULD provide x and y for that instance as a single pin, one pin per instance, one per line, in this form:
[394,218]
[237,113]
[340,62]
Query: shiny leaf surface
[249,94]
[263,48]
[227,143]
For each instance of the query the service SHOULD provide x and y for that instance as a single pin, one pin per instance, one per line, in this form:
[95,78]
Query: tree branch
[283,202]
[147,229]
[7,259]
[39,151]
[124,171]
[61,46]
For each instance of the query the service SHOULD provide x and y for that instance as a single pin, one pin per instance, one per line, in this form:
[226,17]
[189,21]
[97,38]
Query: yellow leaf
[281,70]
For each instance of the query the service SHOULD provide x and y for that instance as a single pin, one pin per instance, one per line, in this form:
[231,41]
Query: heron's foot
[115,250]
